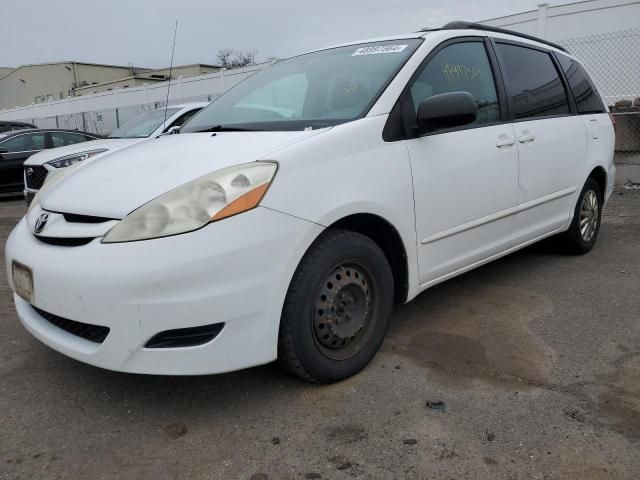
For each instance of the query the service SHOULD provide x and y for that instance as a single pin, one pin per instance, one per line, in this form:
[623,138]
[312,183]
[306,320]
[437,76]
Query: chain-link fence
[612,60]
[103,122]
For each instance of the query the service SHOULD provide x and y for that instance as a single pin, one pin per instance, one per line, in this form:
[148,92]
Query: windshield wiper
[222,128]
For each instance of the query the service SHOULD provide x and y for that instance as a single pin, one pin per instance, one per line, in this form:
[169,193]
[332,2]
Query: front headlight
[193,205]
[69,160]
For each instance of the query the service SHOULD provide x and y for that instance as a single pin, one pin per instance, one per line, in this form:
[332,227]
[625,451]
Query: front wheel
[583,232]
[337,308]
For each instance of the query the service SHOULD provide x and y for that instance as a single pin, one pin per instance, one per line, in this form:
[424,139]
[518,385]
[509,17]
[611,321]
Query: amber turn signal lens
[241,204]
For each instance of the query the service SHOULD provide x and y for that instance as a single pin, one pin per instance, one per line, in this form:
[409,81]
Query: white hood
[51,154]
[117,183]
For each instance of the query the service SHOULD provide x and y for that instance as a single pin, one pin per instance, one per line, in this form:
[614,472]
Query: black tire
[344,280]
[573,240]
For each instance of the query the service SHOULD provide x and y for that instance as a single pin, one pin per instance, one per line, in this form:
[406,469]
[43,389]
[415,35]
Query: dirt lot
[536,358]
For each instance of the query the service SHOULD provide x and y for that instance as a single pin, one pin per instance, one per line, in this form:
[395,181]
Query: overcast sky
[140,32]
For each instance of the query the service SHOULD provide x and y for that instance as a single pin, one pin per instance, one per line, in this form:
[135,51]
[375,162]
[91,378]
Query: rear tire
[337,309]
[585,226]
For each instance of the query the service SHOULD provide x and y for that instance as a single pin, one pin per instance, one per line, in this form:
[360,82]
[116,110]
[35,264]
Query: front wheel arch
[387,237]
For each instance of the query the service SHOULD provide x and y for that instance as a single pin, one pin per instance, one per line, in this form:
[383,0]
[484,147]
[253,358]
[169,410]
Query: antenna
[173,49]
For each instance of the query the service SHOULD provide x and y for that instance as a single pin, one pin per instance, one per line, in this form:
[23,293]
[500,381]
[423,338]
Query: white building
[46,82]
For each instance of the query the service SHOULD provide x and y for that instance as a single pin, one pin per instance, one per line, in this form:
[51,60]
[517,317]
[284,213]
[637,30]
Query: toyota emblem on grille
[41,222]
[29,171]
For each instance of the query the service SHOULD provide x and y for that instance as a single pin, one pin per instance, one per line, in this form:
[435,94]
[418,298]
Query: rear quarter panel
[600,147]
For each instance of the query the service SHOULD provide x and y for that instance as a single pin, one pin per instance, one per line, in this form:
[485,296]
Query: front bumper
[236,271]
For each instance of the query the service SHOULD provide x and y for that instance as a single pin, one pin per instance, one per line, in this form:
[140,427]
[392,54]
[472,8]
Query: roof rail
[477,26]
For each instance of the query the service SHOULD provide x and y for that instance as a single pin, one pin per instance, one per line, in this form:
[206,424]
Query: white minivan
[290,215]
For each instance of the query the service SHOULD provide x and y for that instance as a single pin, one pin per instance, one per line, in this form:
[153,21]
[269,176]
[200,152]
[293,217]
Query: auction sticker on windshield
[379,49]
[22,281]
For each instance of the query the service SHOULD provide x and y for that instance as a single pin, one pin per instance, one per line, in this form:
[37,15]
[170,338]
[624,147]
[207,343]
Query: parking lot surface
[526,368]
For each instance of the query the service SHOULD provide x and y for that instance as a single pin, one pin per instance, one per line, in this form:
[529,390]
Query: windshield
[143,125]
[315,90]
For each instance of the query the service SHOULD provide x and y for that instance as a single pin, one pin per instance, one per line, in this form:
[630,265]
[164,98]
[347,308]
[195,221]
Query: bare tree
[244,59]
[224,57]
[229,58]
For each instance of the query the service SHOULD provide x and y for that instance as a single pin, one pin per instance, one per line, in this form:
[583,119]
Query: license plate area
[22,281]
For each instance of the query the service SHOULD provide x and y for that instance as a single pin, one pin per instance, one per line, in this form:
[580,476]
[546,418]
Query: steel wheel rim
[342,311]
[589,215]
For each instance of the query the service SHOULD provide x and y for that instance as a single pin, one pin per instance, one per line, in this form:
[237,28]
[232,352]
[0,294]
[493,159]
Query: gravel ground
[535,358]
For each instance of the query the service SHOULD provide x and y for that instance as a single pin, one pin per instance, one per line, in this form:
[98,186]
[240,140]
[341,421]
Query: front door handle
[526,137]
[505,142]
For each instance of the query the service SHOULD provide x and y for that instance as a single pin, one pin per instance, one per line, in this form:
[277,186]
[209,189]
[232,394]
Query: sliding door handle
[594,128]
[505,142]
[526,138]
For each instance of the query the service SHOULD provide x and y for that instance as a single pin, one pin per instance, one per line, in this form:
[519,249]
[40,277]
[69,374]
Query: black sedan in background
[18,145]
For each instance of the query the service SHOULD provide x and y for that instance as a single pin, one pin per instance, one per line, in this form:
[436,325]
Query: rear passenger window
[461,67]
[583,90]
[533,82]
[60,139]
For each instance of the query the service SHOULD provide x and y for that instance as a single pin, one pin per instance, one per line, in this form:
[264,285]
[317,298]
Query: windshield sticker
[379,49]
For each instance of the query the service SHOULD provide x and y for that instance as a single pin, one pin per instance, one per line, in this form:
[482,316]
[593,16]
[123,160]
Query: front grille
[93,333]
[37,177]
[185,337]
[77,218]
[65,242]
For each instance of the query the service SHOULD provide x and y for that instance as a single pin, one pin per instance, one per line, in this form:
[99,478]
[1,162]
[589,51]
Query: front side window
[533,82]
[57,140]
[314,90]
[144,125]
[461,67]
[24,143]
[583,89]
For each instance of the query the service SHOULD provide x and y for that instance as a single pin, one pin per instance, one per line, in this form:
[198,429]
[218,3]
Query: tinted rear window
[583,90]
[533,82]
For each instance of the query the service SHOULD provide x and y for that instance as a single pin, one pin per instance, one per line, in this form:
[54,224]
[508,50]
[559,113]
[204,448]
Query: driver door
[465,178]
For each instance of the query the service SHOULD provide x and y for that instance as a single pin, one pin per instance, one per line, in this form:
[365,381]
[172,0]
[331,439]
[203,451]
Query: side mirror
[447,110]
